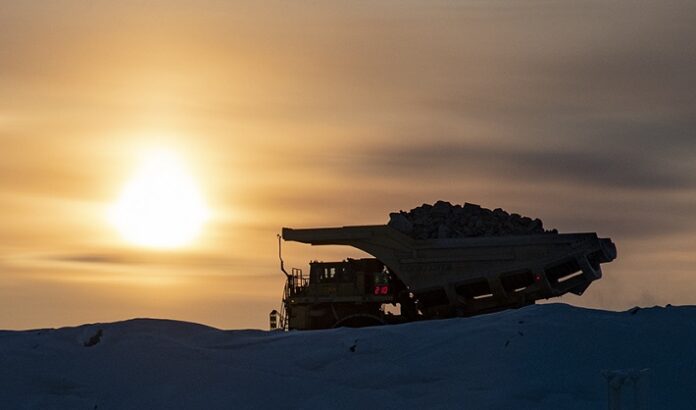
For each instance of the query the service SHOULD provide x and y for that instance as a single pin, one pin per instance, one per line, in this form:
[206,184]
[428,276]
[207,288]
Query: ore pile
[444,220]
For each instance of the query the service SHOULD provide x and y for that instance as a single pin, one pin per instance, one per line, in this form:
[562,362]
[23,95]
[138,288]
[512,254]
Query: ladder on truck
[295,283]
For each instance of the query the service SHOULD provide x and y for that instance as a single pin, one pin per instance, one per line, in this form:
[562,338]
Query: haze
[335,113]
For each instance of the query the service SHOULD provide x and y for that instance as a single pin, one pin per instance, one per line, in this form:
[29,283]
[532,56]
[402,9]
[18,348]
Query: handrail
[294,284]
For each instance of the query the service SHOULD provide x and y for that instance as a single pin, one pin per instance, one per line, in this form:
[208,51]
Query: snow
[540,357]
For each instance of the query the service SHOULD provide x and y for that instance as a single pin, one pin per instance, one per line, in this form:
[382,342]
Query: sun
[161,206]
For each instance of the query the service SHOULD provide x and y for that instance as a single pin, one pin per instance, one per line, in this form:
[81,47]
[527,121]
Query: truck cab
[347,293]
[352,277]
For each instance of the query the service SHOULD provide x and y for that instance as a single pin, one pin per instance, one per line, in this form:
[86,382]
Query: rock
[443,231]
[400,222]
[444,220]
[94,339]
[441,208]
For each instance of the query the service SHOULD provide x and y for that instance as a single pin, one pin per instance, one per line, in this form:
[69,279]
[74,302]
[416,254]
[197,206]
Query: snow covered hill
[539,357]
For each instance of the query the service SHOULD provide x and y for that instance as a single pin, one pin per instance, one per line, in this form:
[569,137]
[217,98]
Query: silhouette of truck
[433,278]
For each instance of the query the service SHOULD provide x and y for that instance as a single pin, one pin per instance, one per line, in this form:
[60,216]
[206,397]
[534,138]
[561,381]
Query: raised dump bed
[466,276]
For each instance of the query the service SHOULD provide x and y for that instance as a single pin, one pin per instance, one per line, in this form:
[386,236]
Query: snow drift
[539,357]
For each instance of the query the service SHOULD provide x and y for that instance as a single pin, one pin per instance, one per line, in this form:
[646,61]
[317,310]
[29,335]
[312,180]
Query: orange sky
[334,113]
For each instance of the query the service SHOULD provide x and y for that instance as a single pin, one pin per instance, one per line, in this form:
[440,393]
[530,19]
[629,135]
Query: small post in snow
[636,379]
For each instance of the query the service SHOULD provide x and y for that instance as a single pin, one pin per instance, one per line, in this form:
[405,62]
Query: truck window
[327,274]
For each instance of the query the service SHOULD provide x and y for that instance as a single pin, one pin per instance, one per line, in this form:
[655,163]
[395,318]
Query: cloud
[594,165]
[142,259]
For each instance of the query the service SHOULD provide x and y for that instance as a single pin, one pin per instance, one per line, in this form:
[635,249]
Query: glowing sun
[161,206]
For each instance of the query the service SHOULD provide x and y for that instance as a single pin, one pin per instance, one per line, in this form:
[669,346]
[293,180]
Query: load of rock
[444,220]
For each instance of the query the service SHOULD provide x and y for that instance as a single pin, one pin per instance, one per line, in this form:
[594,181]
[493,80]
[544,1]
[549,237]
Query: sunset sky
[303,114]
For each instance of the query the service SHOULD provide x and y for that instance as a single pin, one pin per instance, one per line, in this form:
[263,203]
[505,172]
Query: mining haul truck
[432,278]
